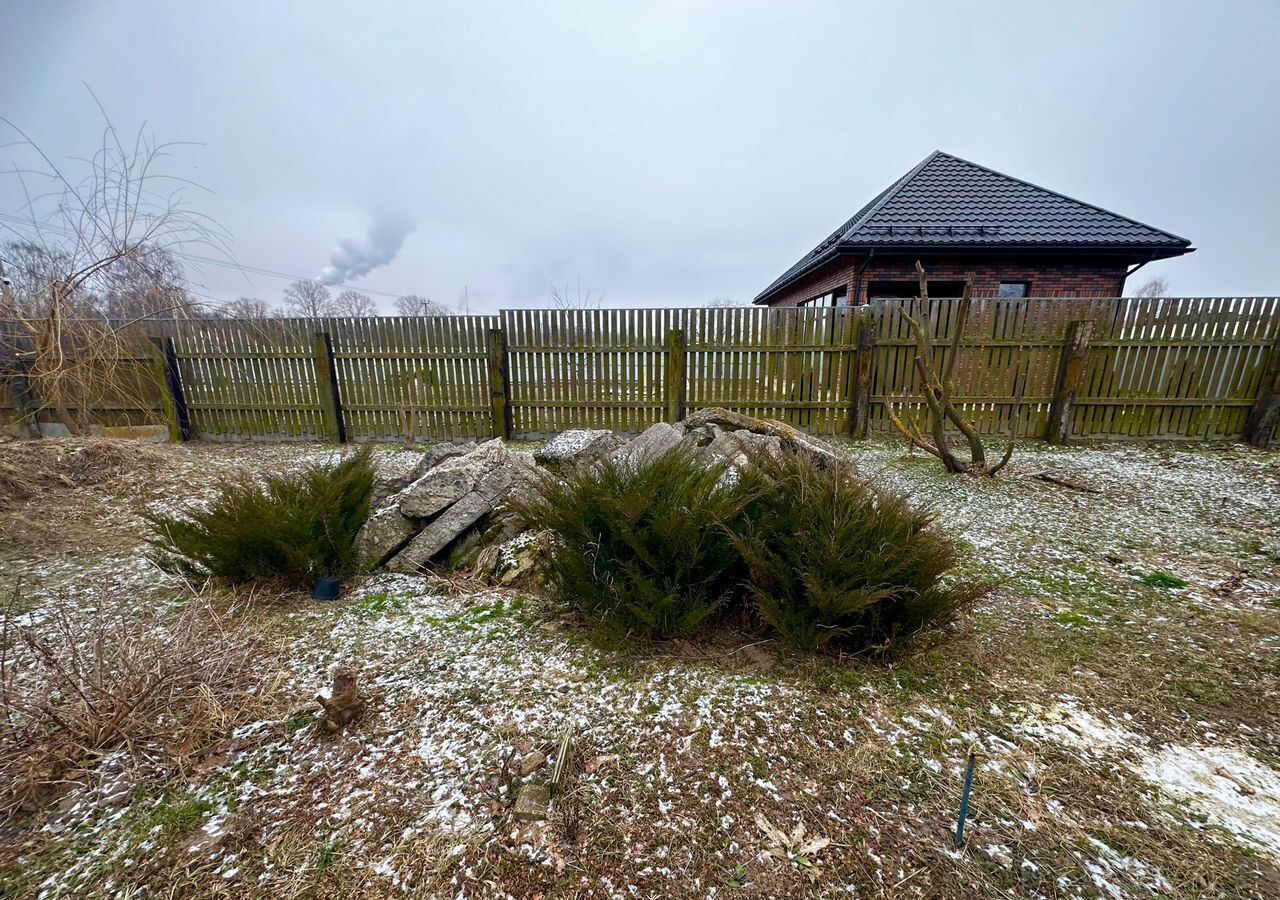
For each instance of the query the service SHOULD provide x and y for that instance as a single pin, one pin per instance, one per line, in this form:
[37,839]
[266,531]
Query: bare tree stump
[343,703]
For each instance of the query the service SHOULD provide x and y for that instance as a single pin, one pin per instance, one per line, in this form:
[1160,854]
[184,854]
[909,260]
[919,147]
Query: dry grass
[30,468]
[159,687]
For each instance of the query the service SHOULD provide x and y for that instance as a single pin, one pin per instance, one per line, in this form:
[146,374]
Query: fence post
[674,375]
[860,406]
[27,405]
[327,387]
[1071,369]
[499,383]
[173,399]
[1266,409]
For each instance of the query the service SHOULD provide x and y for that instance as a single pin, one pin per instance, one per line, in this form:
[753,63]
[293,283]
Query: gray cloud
[665,153]
[355,259]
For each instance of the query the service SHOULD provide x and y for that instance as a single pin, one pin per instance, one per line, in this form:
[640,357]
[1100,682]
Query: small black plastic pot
[326,589]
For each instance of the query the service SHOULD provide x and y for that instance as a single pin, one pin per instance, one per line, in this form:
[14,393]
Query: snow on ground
[1076,681]
[1225,785]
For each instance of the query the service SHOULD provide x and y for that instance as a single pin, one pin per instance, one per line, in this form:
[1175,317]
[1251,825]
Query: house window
[883,290]
[834,298]
[1013,290]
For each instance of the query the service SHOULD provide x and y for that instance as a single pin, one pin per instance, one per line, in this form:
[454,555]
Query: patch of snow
[1227,786]
[1066,723]
[1232,789]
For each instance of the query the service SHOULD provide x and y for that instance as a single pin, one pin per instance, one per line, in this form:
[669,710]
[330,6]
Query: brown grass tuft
[160,688]
[31,468]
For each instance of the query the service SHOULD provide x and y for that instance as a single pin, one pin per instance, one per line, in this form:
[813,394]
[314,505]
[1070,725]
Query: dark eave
[1127,254]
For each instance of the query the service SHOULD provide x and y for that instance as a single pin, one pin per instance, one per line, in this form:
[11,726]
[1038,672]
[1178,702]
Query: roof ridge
[1038,187]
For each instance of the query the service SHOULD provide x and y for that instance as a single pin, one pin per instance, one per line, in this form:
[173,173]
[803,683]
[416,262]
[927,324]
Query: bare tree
[308,299]
[726,303]
[149,285]
[938,389]
[30,269]
[354,303]
[100,240]
[246,308]
[576,299]
[1155,287]
[417,305]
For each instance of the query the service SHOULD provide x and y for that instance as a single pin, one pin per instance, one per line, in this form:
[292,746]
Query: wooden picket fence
[1095,368]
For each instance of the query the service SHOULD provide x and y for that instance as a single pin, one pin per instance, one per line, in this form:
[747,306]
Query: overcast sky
[663,153]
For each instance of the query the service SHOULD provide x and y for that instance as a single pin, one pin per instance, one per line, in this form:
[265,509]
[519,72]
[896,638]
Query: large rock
[512,476]
[653,443]
[437,534]
[456,508]
[451,480]
[438,453]
[739,448]
[382,536]
[730,421]
[393,473]
[518,561]
[577,449]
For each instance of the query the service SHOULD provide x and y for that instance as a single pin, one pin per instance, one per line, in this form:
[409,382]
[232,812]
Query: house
[970,225]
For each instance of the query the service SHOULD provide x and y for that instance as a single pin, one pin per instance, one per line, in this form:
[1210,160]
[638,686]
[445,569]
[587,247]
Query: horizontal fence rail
[1095,368]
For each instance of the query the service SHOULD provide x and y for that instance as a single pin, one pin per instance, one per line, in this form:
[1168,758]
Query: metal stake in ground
[964,798]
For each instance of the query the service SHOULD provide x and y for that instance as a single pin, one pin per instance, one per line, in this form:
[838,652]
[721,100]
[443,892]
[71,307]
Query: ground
[1120,688]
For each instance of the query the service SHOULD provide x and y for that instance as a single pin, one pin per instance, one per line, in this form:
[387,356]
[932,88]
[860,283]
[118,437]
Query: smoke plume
[354,259]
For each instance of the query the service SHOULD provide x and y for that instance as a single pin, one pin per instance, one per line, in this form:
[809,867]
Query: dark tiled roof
[950,203]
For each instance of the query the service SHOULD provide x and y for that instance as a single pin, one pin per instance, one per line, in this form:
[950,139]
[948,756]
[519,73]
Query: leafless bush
[579,299]
[79,686]
[94,251]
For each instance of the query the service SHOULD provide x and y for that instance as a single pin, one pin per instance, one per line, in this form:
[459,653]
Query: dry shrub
[161,688]
[33,468]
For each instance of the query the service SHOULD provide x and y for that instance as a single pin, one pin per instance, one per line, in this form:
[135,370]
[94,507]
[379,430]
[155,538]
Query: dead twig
[1052,478]
[79,685]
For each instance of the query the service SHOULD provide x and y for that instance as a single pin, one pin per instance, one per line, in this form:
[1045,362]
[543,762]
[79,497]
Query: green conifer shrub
[644,550]
[290,529]
[834,562]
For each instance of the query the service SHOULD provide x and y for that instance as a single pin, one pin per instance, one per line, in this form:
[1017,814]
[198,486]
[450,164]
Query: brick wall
[1045,278]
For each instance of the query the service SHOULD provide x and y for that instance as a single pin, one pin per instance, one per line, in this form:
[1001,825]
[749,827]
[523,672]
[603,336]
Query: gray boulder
[458,503]
[438,453]
[439,533]
[703,435]
[517,561]
[382,536]
[653,443]
[576,449]
[451,480]
[791,438]
[739,448]
[393,473]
